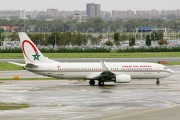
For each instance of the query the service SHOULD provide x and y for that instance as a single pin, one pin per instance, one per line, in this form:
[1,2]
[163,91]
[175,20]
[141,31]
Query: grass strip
[8,66]
[97,55]
[12,106]
[172,63]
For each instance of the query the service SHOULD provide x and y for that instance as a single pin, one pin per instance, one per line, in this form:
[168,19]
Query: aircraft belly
[141,75]
[83,75]
[65,75]
[161,75]
[76,75]
[147,75]
[69,75]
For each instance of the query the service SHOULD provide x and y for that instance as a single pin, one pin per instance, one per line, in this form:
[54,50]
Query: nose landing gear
[157,82]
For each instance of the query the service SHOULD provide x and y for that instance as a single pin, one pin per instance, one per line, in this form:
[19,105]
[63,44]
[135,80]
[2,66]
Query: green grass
[172,63]
[97,55]
[12,106]
[112,55]
[11,55]
[8,66]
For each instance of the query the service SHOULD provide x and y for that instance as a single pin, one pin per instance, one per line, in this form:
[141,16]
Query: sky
[106,5]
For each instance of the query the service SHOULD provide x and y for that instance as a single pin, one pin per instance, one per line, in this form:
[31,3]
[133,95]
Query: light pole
[1,39]
[55,40]
[24,26]
[122,26]
[44,38]
[154,38]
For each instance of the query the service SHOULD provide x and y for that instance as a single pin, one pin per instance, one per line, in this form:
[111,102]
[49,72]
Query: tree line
[60,50]
[96,50]
[150,49]
[94,24]
[82,39]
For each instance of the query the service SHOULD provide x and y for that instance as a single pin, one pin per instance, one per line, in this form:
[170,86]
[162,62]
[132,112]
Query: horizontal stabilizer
[19,64]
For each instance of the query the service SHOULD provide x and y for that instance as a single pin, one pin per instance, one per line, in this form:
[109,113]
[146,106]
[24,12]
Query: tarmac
[77,100]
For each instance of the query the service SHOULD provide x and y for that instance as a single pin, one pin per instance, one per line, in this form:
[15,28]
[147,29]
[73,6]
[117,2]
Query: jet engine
[123,78]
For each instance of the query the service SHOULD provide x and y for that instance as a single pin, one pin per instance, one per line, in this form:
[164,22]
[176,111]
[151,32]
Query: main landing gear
[100,83]
[157,82]
[92,82]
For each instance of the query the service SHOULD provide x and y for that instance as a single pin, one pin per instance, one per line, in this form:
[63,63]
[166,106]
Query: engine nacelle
[123,78]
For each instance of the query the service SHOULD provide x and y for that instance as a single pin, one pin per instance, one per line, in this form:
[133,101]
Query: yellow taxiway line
[59,105]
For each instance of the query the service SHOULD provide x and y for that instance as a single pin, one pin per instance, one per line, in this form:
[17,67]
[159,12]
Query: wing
[106,75]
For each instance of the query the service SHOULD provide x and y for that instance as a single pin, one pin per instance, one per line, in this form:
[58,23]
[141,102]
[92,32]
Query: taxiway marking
[59,105]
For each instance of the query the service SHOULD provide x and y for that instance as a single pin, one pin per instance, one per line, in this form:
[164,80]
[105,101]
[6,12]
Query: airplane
[117,72]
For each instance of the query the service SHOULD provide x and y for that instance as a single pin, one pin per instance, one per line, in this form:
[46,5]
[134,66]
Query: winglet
[104,68]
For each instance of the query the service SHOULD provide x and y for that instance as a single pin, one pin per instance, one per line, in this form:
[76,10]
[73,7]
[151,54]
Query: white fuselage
[137,70]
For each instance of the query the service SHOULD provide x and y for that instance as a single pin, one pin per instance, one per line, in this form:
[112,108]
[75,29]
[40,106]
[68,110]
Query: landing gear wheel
[157,82]
[101,83]
[92,82]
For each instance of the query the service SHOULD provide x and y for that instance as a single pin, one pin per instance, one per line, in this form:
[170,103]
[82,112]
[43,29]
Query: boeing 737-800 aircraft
[118,72]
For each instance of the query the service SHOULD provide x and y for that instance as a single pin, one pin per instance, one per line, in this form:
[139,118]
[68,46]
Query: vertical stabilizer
[30,51]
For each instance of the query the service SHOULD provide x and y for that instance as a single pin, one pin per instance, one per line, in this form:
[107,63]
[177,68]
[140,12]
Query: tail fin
[31,52]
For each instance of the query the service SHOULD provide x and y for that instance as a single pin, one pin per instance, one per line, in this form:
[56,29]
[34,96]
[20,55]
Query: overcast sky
[106,5]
